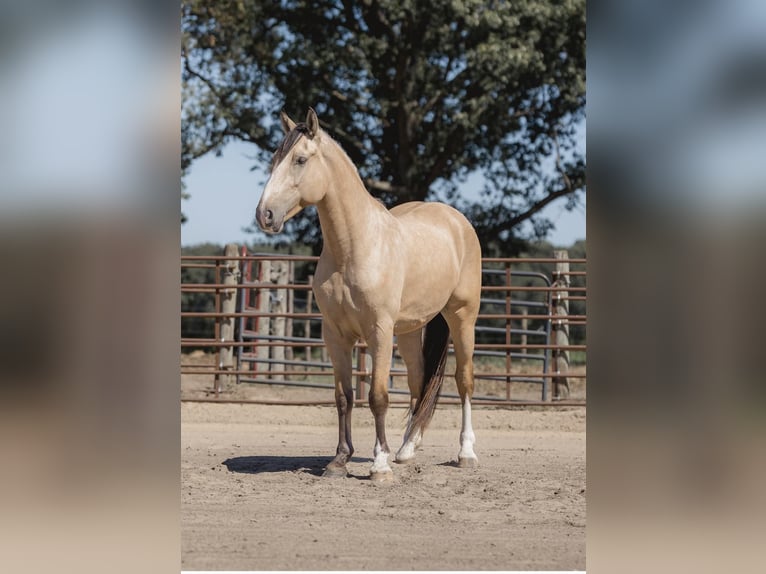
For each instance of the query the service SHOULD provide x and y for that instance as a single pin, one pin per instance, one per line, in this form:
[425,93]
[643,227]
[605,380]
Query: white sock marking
[380,464]
[467,438]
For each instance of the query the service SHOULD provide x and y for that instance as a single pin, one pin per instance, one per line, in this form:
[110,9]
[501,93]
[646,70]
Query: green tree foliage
[419,93]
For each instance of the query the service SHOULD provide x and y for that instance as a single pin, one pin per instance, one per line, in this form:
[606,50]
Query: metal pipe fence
[530,330]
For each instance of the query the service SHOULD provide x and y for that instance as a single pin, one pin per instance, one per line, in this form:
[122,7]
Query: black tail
[435,348]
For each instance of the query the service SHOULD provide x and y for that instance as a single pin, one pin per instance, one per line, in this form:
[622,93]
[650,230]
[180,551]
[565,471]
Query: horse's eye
[300,160]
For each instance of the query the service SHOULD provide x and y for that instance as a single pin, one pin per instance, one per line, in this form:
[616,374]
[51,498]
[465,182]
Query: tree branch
[535,208]
[229,129]
[212,87]
[188,160]
[559,167]
[437,167]
[384,186]
[376,21]
[346,100]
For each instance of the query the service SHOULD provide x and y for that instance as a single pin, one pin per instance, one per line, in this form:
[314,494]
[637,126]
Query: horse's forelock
[288,143]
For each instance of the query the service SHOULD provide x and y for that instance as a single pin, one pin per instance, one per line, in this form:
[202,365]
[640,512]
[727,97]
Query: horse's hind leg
[411,350]
[462,324]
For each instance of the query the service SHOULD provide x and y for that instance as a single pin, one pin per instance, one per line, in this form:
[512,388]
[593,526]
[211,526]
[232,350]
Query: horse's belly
[428,285]
[421,301]
[403,326]
[414,316]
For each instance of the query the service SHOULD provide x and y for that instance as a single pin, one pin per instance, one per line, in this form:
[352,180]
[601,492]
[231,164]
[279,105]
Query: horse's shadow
[313,465]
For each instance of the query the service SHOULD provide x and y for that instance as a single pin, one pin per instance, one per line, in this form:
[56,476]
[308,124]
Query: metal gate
[276,328]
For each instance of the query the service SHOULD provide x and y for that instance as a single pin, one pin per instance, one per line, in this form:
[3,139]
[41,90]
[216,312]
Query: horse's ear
[312,123]
[287,124]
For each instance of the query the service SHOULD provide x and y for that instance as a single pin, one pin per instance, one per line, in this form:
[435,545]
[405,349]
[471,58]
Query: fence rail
[255,315]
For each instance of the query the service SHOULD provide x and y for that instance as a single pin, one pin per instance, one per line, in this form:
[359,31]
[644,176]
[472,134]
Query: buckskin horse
[381,273]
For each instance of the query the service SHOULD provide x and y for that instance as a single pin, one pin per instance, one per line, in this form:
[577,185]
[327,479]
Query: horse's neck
[351,219]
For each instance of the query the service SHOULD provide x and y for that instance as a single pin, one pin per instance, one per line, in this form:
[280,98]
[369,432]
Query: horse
[413,272]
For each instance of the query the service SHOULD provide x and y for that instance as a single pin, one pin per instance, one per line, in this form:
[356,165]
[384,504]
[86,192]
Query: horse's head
[297,176]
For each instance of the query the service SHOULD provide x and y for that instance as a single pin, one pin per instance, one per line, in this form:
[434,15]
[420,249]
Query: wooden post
[361,367]
[217,328]
[231,273]
[263,324]
[244,303]
[290,293]
[561,326]
[524,327]
[279,305]
[324,356]
[307,323]
[508,332]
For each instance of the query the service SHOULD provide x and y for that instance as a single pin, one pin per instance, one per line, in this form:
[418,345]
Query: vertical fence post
[263,324]
[231,274]
[361,367]
[217,327]
[325,357]
[307,323]
[524,329]
[508,331]
[279,272]
[290,294]
[561,326]
[244,303]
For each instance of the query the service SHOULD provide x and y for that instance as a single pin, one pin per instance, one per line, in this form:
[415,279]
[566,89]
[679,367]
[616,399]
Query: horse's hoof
[335,472]
[468,462]
[409,460]
[380,477]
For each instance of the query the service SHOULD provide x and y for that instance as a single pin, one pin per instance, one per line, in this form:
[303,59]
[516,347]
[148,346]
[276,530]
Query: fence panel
[530,333]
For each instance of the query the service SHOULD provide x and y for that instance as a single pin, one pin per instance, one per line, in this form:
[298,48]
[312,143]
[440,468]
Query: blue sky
[224,193]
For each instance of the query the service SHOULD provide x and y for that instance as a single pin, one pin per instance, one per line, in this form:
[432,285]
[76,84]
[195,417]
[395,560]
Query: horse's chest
[333,294]
[347,304]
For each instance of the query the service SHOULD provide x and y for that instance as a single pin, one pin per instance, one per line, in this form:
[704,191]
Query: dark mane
[288,143]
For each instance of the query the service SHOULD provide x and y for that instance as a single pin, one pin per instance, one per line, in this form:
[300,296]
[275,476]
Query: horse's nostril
[268,216]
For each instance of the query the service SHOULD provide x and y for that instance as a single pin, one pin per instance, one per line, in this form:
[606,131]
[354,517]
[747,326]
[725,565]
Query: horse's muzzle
[267,220]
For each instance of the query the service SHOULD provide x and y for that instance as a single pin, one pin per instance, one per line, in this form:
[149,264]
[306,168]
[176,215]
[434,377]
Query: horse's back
[435,214]
[443,252]
[419,218]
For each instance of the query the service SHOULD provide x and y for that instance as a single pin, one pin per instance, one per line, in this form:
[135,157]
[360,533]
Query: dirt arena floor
[253,497]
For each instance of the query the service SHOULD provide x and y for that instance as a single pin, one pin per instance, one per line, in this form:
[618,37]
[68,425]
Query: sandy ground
[253,497]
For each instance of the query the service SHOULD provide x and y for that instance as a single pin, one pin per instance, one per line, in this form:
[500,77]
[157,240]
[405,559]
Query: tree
[421,94]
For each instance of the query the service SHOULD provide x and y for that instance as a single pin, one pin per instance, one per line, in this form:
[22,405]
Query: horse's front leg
[380,343]
[339,349]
